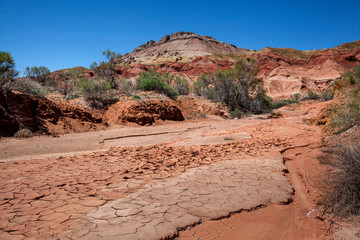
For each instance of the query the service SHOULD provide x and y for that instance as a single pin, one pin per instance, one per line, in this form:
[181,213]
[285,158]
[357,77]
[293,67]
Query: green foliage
[204,86]
[30,87]
[327,95]
[353,75]
[346,115]
[181,85]
[238,88]
[154,81]
[39,74]
[8,73]
[236,113]
[96,92]
[107,70]
[294,98]
[312,95]
[136,97]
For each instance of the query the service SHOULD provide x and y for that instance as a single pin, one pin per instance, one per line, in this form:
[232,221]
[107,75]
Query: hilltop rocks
[179,47]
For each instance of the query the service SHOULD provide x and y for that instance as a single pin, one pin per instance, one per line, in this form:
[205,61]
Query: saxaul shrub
[154,81]
[30,87]
[238,88]
[96,92]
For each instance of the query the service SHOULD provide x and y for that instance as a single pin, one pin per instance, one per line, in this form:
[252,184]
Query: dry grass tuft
[23,133]
[343,200]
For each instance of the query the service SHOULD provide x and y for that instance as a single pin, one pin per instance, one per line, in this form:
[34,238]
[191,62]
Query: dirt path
[152,182]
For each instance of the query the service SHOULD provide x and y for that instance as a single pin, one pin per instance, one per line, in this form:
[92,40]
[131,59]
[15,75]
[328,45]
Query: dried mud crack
[171,190]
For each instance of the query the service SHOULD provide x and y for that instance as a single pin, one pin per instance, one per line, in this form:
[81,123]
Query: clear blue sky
[63,34]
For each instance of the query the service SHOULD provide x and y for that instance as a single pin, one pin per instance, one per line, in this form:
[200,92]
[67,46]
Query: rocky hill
[179,47]
[285,71]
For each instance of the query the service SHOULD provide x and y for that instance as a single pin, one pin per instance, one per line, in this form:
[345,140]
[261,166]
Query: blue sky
[63,34]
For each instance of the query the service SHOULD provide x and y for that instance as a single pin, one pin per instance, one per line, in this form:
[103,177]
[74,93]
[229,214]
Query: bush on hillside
[154,81]
[347,114]
[8,73]
[39,74]
[124,86]
[107,70]
[30,87]
[97,93]
[353,75]
[66,82]
[294,98]
[237,88]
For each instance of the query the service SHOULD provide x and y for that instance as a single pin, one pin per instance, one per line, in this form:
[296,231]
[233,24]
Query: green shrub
[124,86]
[353,75]
[39,74]
[203,86]
[312,95]
[237,88]
[31,87]
[346,115]
[8,73]
[327,95]
[343,200]
[294,98]
[236,113]
[96,92]
[181,85]
[154,81]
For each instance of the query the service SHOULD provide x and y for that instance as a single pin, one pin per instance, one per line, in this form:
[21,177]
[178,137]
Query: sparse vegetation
[125,86]
[66,82]
[24,133]
[294,98]
[106,70]
[346,115]
[39,74]
[181,85]
[236,113]
[154,81]
[237,88]
[274,114]
[30,87]
[353,75]
[96,92]
[327,95]
[343,200]
[8,73]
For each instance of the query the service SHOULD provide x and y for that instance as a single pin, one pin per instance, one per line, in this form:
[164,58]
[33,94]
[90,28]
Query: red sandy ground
[46,198]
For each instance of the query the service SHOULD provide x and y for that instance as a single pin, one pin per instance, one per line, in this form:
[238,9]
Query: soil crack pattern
[166,206]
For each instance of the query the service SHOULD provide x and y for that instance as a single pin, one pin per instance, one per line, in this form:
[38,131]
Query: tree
[107,70]
[39,74]
[66,82]
[8,73]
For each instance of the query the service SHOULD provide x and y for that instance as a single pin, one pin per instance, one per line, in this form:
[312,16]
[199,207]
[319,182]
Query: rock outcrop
[42,115]
[143,112]
[179,47]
